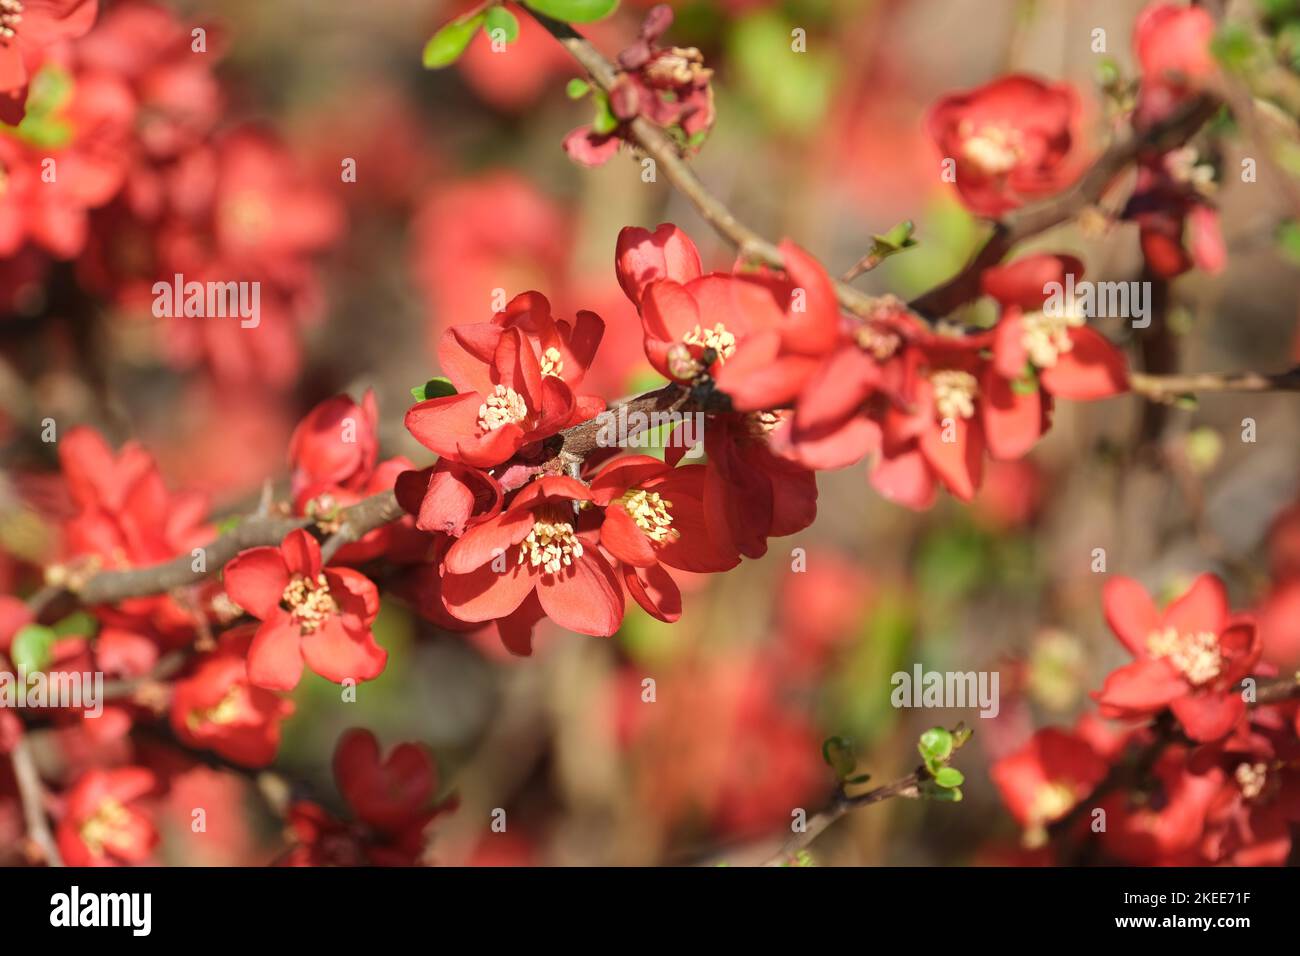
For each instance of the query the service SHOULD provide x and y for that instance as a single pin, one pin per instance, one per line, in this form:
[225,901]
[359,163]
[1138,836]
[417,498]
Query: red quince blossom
[513,379]
[1177,225]
[101,824]
[1012,140]
[1190,657]
[320,616]
[1045,779]
[391,798]
[217,708]
[655,517]
[534,558]
[1167,827]
[670,86]
[1172,43]
[27,28]
[642,257]
[1042,349]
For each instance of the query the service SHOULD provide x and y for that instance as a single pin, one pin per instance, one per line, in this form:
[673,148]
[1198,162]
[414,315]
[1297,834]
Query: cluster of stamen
[1182,166]
[954,393]
[309,602]
[108,821]
[504,406]
[1046,337]
[552,363]
[1251,778]
[650,512]
[879,343]
[1196,656]
[11,14]
[762,424]
[679,66]
[994,149]
[223,711]
[551,546]
[722,342]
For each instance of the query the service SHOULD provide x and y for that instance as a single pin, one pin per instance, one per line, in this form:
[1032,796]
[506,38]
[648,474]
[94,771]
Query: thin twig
[906,787]
[32,794]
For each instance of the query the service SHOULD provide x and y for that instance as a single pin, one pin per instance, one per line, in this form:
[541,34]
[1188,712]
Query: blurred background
[461,188]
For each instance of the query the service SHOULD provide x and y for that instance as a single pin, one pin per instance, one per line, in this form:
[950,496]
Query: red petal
[626,541]
[338,653]
[585,597]
[1202,607]
[1140,688]
[1208,716]
[275,656]
[1013,420]
[1130,612]
[256,579]
[655,590]
[1092,369]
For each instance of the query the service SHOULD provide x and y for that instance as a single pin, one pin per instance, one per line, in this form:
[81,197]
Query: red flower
[655,516]
[531,559]
[1172,43]
[1165,828]
[217,708]
[1042,349]
[1011,141]
[514,397]
[1046,778]
[100,827]
[1189,658]
[321,616]
[336,443]
[642,257]
[26,28]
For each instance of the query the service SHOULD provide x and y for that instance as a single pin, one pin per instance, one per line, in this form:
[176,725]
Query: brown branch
[1168,388]
[908,787]
[1024,223]
[32,794]
[663,151]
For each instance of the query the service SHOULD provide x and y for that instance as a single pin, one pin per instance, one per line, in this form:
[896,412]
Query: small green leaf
[499,18]
[860,778]
[434,388]
[32,648]
[577,88]
[77,624]
[949,777]
[445,47]
[935,746]
[939,793]
[574,11]
[604,122]
[838,754]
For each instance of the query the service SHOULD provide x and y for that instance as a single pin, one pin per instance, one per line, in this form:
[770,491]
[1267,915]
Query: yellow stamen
[504,406]
[552,362]
[650,512]
[1195,656]
[551,545]
[717,338]
[309,603]
[954,393]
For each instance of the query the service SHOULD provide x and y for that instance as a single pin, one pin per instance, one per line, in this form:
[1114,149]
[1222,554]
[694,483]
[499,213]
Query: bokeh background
[462,188]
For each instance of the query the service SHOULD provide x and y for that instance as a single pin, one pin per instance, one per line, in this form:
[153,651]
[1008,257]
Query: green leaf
[935,746]
[439,387]
[577,88]
[77,624]
[445,47]
[573,11]
[32,648]
[499,18]
[860,778]
[940,793]
[949,777]
[604,122]
[838,754]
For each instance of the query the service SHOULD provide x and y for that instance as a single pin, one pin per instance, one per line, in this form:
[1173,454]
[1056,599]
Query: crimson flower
[533,559]
[26,28]
[100,825]
[217,708]
[318,615]
[1166,828]
[1042,781]
[336,443]
[1011,139]
[1042,349]
[655,516]
[1189,657]
[516,397]
[642,257]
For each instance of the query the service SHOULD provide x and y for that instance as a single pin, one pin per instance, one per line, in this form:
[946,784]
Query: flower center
[309,602]
[880,344]
[1046,337]
[1182,166]
[11,14]
[1195,656]
[551,545]
[504,406]
[954,393]
[552,362]
[993,149]
[1052,801]
[650,512]
[223,712]
[1251,778]
[105,826]
[761,424]
[717,338]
